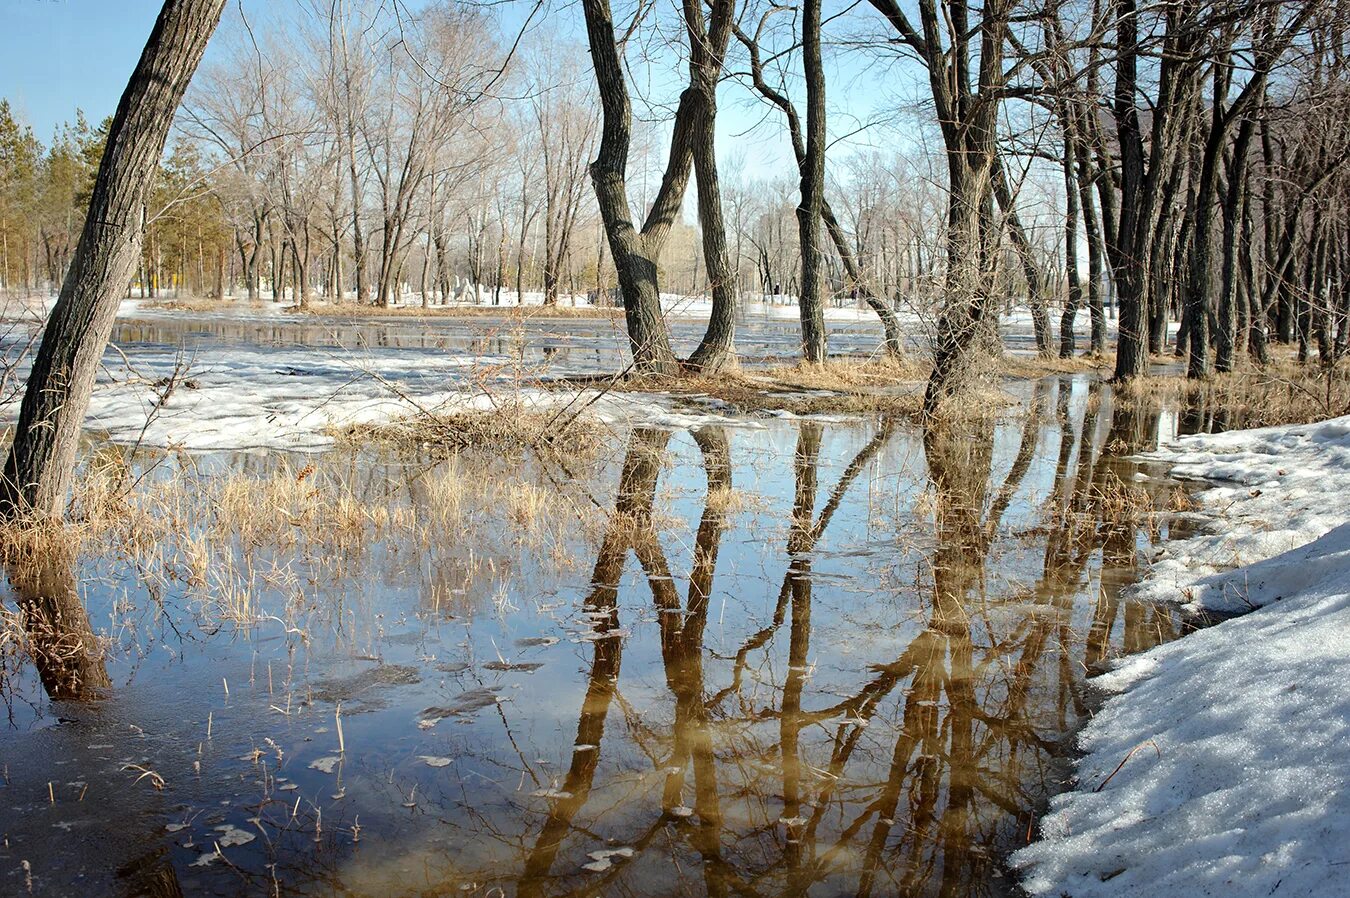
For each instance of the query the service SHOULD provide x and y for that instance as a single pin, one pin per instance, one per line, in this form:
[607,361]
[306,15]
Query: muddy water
[794,658]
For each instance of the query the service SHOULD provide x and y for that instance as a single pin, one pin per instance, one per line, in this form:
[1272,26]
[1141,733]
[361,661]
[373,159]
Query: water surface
[797,657]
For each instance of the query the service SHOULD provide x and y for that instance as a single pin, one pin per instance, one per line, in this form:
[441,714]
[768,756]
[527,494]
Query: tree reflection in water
[797,795]
[757,756]
[60,641]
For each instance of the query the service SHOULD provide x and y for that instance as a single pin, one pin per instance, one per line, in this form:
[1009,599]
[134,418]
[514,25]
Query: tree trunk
[1075,294]
[814,347]
[717,350]
[1234,206]
[42,458]
[635,253]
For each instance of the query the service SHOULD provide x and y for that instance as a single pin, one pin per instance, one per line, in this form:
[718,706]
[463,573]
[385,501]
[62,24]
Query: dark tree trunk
[890,325]
[1075,295]
[635,252]
[42,457]
[810,301]
[1234,207]
[708,45]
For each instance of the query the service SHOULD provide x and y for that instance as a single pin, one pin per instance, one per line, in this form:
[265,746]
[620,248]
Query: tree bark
[635,252]
[41,460]
[707,46]
[810,302]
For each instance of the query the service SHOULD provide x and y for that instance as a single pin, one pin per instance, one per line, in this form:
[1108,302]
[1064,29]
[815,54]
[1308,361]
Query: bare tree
[967,81]
[635,252]
[567,121]
[894,343]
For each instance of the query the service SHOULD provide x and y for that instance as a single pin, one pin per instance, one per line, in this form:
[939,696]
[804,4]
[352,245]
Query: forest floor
[1220,764]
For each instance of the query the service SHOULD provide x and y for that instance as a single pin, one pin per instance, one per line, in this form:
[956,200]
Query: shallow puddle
[778,658]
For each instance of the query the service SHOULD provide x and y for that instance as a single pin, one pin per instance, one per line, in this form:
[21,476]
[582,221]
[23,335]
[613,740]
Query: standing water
[770,657]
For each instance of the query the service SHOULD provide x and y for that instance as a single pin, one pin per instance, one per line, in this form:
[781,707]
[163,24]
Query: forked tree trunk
[42,458]
[635,252]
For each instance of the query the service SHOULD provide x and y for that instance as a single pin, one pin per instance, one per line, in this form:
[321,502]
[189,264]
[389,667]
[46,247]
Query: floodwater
[578,345]
[783,657]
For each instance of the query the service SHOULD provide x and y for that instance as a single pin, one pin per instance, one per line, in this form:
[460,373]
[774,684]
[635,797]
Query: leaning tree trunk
[708,40]
[635,252]
[42,458]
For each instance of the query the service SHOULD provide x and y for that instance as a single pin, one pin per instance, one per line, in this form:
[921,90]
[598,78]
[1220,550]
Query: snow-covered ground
[1222,766]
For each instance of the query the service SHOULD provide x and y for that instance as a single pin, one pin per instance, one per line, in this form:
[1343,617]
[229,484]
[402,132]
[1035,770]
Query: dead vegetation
[509,428]
[1034,366]
[841,386]
[201,304]
[1284,392]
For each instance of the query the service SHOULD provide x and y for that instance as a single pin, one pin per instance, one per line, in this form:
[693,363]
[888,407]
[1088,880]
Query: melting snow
[1222,767]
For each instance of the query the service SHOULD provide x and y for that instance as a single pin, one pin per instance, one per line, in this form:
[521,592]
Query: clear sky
[57,55]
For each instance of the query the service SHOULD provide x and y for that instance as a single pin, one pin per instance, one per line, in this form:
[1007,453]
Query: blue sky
[57,55]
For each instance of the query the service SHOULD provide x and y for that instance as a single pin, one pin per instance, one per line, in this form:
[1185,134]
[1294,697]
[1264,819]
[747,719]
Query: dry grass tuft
[1284,392]
[848,373]
[510,427]
[1035,366]
[194,304]
[842,386]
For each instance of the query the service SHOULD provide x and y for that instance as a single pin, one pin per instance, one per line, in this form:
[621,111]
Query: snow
[1268,495]
[1231,743]
[244,397]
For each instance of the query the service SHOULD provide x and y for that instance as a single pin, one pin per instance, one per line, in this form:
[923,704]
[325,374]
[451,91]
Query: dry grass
[843,386]
[510,427]
[848,374]
[195,304]
[1035,366]
[244,546]
[1284,392]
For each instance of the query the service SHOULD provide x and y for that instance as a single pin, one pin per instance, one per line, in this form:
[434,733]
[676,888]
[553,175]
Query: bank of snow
[1235,741]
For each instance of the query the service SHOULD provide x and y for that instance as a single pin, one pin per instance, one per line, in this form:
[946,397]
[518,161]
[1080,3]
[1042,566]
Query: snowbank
[1272,492]
[1222,766]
